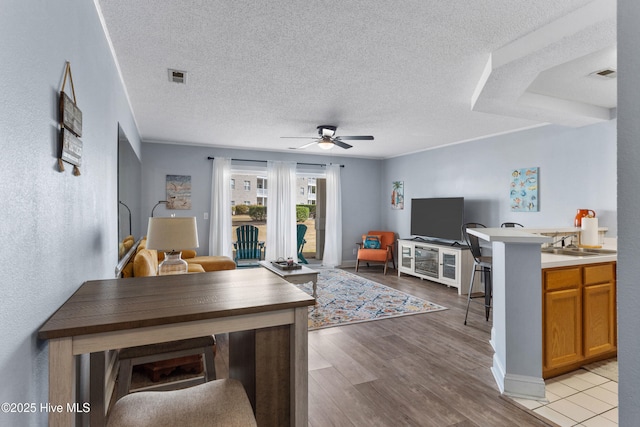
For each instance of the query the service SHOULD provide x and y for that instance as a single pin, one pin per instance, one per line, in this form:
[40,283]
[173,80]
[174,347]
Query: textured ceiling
[405,72]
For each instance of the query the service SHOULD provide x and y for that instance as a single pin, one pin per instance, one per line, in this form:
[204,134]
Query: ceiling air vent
[177,76]
[607,73]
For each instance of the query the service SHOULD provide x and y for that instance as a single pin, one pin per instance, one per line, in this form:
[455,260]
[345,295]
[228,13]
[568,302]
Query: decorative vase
[173,264]
[581,214]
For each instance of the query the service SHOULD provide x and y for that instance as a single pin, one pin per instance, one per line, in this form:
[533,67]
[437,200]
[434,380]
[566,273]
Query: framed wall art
[70,127]
[178,191]
[523,191]
[397,195]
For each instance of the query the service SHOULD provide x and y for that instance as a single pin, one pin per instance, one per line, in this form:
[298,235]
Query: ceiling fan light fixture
[326,144]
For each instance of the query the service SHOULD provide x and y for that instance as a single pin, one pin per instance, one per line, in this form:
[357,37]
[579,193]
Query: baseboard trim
[524,387]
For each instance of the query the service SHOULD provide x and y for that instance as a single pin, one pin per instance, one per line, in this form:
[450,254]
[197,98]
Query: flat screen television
[438,218]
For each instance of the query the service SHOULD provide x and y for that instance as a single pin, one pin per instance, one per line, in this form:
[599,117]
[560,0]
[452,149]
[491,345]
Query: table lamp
[171,235]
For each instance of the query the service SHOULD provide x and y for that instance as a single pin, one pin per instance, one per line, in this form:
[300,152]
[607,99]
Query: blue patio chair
[247,245]
[302,230]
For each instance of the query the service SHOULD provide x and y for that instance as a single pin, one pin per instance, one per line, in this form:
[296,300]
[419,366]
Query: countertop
[553,260]
[511,235]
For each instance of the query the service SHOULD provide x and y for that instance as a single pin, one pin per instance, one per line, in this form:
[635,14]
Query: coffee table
[297,276]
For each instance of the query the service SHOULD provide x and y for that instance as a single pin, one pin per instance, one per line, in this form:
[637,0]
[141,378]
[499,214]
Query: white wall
[628,208]
[577,170]
[361,195]
[57,230]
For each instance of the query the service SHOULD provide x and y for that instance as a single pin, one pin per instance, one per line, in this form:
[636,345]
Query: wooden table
[297,276]
[256,308]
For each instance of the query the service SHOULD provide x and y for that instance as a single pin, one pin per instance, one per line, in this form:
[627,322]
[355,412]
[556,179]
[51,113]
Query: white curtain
[220,226]
[281,211]
[333,230]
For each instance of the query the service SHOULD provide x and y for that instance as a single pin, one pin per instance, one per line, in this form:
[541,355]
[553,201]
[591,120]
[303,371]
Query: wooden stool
[215,403]
[131,356]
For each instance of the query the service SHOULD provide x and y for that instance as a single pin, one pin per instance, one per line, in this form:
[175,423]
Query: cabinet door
[406,258]
[449,267]
[562,327]
[427,261]
[599,319]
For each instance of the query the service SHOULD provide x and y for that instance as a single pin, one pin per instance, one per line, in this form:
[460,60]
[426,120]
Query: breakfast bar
[110,314]
[543,332]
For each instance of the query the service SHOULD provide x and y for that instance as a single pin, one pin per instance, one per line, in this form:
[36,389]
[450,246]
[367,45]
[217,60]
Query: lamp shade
[172,234]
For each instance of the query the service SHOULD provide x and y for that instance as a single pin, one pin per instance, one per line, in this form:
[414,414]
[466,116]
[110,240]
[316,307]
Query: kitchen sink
[578,251]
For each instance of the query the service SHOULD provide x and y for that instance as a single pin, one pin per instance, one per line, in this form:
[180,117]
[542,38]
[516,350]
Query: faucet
[562,239]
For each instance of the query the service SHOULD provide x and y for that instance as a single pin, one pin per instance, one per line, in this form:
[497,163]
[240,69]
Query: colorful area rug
[344,298]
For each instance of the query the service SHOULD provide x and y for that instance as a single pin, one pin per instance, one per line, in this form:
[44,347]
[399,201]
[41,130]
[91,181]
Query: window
[233,203]
[247,185]
[302,191]
[247,202]
[233,184]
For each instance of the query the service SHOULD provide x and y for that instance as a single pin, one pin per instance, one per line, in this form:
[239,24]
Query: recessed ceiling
[524,78]
[406,73]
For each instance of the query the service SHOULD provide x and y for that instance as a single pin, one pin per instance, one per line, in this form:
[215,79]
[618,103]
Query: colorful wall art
[397,195]
[524,190]
[178,191]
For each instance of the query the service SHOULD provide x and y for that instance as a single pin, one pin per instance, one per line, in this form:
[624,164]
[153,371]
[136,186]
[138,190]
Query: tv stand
[447,263]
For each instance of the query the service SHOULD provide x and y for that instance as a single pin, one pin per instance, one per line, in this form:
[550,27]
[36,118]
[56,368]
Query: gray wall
[577,170]
[57,230]
[361,195]
[628,208]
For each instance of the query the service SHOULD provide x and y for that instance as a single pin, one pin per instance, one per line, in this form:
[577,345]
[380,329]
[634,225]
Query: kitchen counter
[553,260]
[557,230]
[530,235]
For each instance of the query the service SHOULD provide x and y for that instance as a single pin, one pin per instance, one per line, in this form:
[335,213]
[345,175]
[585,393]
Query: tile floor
[581,398]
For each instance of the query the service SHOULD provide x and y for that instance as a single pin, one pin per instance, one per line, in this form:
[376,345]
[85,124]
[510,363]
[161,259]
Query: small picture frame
[70,148]
[70,115]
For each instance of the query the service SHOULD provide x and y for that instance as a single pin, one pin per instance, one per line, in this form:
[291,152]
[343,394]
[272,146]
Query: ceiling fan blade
[305,145]
[357,138]
[341,144]
[300,137]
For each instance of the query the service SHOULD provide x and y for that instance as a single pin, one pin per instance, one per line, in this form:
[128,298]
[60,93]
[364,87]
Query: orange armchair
[383,253]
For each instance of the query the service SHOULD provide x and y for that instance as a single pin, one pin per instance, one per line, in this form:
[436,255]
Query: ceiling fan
[327,138]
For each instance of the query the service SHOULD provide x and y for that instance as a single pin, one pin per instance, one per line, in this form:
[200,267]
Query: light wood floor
[419,370]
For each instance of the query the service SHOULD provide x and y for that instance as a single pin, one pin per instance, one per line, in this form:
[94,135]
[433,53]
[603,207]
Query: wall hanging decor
[70,126]
[397,195]
[178,191]
[523,191]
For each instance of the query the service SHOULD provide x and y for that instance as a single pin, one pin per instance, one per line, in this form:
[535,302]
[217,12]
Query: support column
[516,335]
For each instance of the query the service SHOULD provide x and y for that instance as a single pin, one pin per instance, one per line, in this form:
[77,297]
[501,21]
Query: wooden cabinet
[578,316]
[599,300]
[449,265]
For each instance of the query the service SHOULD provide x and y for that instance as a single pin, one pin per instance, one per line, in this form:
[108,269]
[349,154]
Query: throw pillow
[370,241]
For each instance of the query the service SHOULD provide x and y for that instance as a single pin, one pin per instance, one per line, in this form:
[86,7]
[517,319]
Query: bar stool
[221,402]
[511,224]
[481,264]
